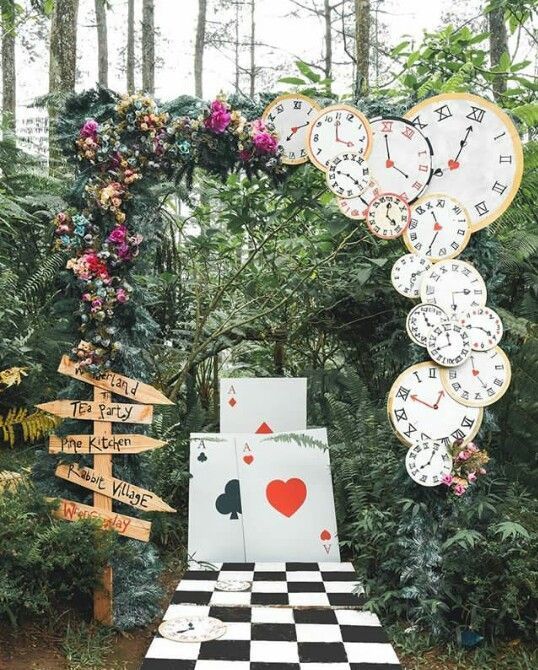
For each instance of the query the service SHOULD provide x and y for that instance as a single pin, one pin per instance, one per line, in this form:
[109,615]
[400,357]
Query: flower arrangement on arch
[467,466]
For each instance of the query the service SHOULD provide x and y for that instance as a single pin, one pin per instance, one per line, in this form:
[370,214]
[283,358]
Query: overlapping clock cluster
[450,167]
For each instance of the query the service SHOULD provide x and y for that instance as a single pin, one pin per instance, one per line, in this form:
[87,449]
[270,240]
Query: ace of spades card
[262,405]
[287,497]
[215,505]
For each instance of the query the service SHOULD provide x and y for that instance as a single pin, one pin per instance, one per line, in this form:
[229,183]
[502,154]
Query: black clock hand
[387,147]
[294,129]
[463,142]
[401,171]
[431,459]
[431,243]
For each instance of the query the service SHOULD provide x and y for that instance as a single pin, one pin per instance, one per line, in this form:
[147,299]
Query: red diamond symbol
[232,402]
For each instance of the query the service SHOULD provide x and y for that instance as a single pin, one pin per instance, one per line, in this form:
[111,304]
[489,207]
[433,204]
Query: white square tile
[196,585]
[275,652]
[306,576]
[163,648]
[315,632]
[308,599]
[270,567]
[230,598]
[236,575]
[323,666]
[336,567]
[370,652]
[342,587]
[272,615]
[237,630]
[222,665]
[175,611]
[356,618]
[194,565]
[269,587]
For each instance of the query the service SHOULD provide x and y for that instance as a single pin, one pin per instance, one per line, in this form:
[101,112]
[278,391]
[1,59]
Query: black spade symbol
[202,457]
[229,502]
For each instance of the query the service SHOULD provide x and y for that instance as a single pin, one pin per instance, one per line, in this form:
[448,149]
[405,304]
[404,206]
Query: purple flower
[447,480]
[89,129]
[459,490]
[219,118]
[118,235]
[265,143]
[124,252]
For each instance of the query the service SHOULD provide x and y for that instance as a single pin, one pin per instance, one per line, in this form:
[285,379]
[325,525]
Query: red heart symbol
[476,372]
[248,459]
[389,163]
[325,535]
[286,497]
[453,165]
[438,226]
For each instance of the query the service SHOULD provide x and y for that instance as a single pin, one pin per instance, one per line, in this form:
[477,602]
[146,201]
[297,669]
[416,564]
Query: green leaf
[295,81]
[307,71]
[527,113]
[512,530]
[466,538]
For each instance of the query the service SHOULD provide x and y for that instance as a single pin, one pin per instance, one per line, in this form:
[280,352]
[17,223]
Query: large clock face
[291,115]
[455,286]
[478,157]
[484,327]
[448,344]
[420,409]
[439,227]
[357,208]
[420,321]
[348,175]
[406,274]
[427,462]
[336,129]
[388,216]
[401,158]
[481,380]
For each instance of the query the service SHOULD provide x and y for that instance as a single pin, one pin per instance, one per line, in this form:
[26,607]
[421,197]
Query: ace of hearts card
[262,405]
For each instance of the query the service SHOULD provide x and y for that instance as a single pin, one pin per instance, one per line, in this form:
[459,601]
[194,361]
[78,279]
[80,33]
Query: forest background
[315,299]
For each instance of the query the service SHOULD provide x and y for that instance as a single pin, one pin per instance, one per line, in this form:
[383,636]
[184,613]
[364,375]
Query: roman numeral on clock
[418,123]
[498,187]
[410,429]
[443,112]
[386,126]
[481,208]
[408,132]
[505,159]
[297,104]
[476,114]
[466,422]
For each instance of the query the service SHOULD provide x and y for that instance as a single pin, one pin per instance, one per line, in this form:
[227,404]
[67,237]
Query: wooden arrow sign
[87,410]
[113,488]
[102,444]
[128,526]
[119,384]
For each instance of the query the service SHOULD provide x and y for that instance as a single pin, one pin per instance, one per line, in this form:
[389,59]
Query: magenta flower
[447,480]
[463,455]
[471,476]
[219,118]
[244,155]
[124,252]
[265,143]
[89,129]
[86,297]
[118,235]
[459,490]
[121,295]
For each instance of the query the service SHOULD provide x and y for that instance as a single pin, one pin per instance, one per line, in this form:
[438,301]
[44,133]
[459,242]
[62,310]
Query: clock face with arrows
[454,286]
[478,157]
[348,174]
[427,462]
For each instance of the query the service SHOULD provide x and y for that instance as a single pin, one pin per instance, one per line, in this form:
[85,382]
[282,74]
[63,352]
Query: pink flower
[471,476]
[86,297]
[265,143]
[244,155]
[472,447]
[89,129]
[447,479]
[121,295]
[124,252]
[96,304]
[259,126]
[459,490]
[118,235]
[482,471]
[463,455]
[219,118]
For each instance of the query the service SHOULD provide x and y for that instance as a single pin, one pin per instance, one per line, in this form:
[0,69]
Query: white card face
[215,511]
[262,405]
[287,498]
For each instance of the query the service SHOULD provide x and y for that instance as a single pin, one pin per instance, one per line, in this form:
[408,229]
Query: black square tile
[315,616]
[225,650]
[282,632]
[263,665]
[238,567]
[269,599]
[299,567]
[191,597]
[236,614]
[167,664]
[340,576]
[306,587]
[322,652]
[375,666]
[346,599]
[205,575]
[363,634]
[269,576]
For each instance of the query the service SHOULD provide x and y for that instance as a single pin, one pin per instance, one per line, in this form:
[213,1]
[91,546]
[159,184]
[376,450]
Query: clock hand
[434,452]
[441,395]
[484,330]
[348,144]
[484,386]
[400,171]
[431,243]
[453,163]
[294,129]
[417,399]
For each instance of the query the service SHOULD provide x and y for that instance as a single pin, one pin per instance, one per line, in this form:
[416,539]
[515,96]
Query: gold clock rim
[512,131]
[338,106]
[425,443]
[420,304]
[468,232]
[327,173]
[445,381]
[409,297]
[390,403]
[451,260]
[393,195]
[291,96]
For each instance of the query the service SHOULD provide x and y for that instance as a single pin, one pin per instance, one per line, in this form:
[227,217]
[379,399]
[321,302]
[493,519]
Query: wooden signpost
[103,444]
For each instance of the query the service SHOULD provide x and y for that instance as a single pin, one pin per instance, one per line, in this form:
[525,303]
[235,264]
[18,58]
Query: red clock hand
[417,399]
[441,395]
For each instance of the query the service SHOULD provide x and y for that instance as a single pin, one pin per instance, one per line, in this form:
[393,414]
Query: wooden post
[102,463]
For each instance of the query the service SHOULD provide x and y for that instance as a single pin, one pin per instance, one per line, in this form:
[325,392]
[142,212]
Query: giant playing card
[287,498]
[262,405]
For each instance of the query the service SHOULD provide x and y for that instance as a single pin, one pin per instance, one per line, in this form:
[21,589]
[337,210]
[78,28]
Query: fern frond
[33,426]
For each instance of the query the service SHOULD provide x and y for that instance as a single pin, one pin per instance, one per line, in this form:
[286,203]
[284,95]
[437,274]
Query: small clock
[484,327]
[455,286]
[291,114]
[428,462]
[448,344]
[481,380]
[335,129]
[401,158]
[421,320]
[348,175]
[356,208]
[421,410]
[388,216]
[406,274]
[439,227]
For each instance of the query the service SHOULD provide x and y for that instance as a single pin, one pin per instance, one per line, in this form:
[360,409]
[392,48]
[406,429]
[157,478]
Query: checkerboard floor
[272,638]
[273,584]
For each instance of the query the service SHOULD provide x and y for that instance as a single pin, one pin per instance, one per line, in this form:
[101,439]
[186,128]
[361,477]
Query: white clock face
[421,410]
[356,208]
[455,286]
[192,629]
[477,153]
[388,216]
[448,344]
[481,380]
[484,327]
[439,227]
[428,462]
[421,320]
[336,129]
[401,158]
[291,115]
[406,274]
[348,175]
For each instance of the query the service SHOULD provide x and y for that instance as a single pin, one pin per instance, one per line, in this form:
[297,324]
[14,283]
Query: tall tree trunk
[199,47]
[498,44]
[130,47]
[102,42]
[362,46]
[236,47]
[327,15]
[9,76]
[252,47]
[148,46]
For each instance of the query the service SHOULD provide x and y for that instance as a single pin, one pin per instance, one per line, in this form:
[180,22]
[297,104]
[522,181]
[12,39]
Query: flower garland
[467,466]
[119,153]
